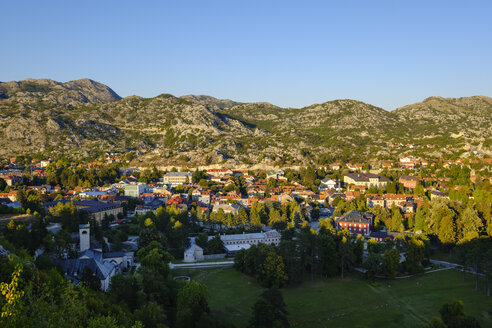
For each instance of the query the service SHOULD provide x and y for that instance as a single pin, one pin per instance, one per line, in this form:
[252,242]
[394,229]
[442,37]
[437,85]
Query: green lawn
[352,302]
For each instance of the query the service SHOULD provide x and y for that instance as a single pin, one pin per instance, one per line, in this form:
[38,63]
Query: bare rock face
[52,126]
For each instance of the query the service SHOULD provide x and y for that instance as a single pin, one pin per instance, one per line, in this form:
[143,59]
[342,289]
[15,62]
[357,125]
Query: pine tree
[397,220]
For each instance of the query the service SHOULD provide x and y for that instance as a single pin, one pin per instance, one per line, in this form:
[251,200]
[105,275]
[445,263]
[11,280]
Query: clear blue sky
[290,53]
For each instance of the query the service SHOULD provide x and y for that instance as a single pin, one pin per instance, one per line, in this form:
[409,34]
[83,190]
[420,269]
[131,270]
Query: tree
[346,255]
[154,257]
[397,220]
[103,322]
[202,240]
[475,252]
[274,217]
[372,264]
[216,245]
[420,223]
[191,304]
[149,233]
[453,315]
[254,216]
[290,253]
[242,216]
[328,255]
[391,188]
[469,223]
[125,288]
[381,215]
[439,210]
[269,310]
[447,230]
[414,255]
[391,261]
[13,303]
[419,190]
[89,278]
[151,315]
[199,175]
[273,273]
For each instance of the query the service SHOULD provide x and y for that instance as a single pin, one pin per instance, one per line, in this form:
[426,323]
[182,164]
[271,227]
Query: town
[97,221]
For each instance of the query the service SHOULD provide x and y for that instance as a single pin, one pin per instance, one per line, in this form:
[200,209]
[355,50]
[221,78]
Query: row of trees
[300,253]
[328,254]
[61,173]
[269,213]
[169,226]
[405,254]
[264,263]
[451,222]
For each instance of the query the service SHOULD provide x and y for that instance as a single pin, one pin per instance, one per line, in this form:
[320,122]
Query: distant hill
[469,116]
[84,117]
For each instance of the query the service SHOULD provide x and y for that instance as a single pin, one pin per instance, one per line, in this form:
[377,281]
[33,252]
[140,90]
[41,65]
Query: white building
[193,253]
[328,183]
[227,208]
[135,190]
[177,178]
[234,243]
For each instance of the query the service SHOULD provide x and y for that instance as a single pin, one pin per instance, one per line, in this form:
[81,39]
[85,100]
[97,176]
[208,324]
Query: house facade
[356,222]
[409,182]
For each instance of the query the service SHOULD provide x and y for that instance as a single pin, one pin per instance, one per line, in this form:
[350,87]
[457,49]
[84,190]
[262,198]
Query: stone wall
[215,256]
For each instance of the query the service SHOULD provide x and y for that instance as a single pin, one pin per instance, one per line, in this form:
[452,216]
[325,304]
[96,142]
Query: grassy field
[352,302]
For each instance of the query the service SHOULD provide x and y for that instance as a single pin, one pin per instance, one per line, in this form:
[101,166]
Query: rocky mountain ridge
[84,118]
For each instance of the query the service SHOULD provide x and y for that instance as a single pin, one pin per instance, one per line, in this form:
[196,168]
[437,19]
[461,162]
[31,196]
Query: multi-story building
[233,243]
[365,179]
[96,209]
[135,190]
[356,222]
[177,178]
[408,181]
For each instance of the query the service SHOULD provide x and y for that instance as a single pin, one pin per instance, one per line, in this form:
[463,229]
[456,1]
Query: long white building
[234,243]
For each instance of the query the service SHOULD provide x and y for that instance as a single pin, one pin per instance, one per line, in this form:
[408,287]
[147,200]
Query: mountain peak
[71,93]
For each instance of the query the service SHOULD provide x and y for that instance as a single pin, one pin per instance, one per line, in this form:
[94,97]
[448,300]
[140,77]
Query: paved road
[454,266]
